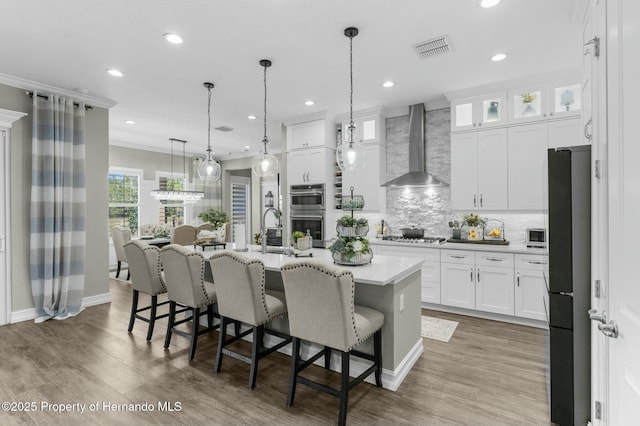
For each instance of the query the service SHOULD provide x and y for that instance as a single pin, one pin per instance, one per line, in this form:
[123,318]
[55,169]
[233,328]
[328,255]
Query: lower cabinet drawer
[431,292]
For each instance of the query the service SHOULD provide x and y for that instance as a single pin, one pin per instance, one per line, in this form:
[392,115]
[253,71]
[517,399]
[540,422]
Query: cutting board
[487,242]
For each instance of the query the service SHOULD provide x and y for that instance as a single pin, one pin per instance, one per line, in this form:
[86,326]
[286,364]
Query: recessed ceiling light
[114,72]
[309,102]
[247,147]
[173,38]
[489,3]
[498,57]
[251,117]
[130,122]
[388,84]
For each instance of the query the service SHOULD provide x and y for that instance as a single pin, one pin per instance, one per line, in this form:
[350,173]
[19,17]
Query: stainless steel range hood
[417,175]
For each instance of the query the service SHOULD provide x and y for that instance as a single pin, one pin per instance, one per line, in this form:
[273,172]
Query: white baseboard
[30,313]
[391,380]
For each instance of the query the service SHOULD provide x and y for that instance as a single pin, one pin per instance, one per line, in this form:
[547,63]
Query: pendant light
[265,164]
[173,194]
[209,169]
[349,153]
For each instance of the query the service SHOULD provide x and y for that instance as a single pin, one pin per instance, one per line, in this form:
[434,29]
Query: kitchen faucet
[263,228]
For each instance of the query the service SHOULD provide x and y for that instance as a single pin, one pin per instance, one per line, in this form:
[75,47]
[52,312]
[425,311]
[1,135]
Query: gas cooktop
[417,241]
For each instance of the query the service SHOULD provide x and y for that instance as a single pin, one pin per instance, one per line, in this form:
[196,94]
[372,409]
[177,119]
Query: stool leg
[258,333]
[210,316]
[152,316]
[293,378]
[327,357]
[377,354]
[128,273]
[236,327]
[194,333]
[118,270]
[344,390]
[172,318]
[134,308]
[221,338]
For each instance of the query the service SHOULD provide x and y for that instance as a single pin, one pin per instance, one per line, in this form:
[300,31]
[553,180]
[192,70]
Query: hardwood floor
[490,373]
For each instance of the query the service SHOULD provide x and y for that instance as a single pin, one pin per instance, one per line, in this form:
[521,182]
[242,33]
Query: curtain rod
[30,94]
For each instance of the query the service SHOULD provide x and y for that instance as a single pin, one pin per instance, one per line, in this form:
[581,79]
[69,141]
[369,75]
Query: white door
[527,166]
[457,286]
[240,206]
[623,92]
[4,310]
[494,289]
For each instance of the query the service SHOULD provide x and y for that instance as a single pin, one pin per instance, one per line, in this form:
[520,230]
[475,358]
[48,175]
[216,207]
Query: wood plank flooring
[490,373]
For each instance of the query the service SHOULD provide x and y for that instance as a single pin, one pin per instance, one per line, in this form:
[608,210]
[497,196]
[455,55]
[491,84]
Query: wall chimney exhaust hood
[417,175]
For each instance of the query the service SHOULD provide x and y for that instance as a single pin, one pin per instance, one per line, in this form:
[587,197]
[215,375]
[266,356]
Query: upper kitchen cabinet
[479,170]
[309,166]
[310,134]
[543,102]
[479,112]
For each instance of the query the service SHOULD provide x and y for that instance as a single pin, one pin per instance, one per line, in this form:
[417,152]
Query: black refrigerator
[569,284]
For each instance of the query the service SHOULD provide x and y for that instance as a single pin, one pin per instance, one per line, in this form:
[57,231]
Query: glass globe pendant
[209,169]
[265,164]
[350,154]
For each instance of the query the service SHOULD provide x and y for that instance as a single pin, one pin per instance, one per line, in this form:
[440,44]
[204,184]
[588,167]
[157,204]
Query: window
[171,211]
[124,198]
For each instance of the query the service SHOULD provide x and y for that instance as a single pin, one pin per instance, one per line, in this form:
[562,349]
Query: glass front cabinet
[535,103]
[479,112]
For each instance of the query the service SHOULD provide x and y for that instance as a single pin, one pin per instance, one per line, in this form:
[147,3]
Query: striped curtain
[57,207]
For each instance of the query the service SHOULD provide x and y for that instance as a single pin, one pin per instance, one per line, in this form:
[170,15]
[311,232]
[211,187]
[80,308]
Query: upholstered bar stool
[120,236]
[186,287]
[321,309]
[146,277]
[242,297]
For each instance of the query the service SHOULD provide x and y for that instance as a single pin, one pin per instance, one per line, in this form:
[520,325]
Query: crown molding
[7,117]
[22,83]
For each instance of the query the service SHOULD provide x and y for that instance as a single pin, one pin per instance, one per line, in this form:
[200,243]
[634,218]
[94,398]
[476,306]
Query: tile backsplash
[430,208]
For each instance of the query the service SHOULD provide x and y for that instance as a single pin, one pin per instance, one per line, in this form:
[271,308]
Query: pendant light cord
[351,83]
[264,139]
[209,126]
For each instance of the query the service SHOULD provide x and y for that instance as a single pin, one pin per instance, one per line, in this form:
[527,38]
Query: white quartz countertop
[511,248]
[382,270]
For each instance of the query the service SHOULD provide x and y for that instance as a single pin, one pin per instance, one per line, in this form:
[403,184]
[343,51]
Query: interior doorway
[240,202]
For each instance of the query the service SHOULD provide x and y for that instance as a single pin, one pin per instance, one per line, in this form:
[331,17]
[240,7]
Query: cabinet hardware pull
[535,262]
[474,200]
[518,279]
[495,259]
[471,275]
[478,274]
[458,257]
[480,200]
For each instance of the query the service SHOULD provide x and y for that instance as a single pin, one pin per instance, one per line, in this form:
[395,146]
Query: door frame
[7,118]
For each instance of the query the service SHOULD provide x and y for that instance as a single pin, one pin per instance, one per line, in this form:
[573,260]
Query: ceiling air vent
[434,47]
[225,129]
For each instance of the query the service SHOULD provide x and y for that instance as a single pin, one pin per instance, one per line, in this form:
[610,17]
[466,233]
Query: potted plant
[351,227]
[299,240]
[351,250]
[475,224]
[218,219]
[456,229]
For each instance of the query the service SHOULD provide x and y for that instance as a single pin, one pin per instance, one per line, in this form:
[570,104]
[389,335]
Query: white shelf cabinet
[479,112]
[531,295]
[479,170]
[546,102]
[311,165]
[527,164]
[482,281]
[430,267]
[310,134]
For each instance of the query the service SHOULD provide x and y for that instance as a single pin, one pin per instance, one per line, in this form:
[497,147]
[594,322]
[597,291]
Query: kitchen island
[388,284]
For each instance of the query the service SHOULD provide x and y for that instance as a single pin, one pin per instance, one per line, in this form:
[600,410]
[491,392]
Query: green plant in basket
[350,246]
[296,235]
[348,221]
[473,219]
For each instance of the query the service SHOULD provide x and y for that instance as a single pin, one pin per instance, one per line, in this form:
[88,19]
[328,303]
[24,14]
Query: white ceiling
[70,44]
